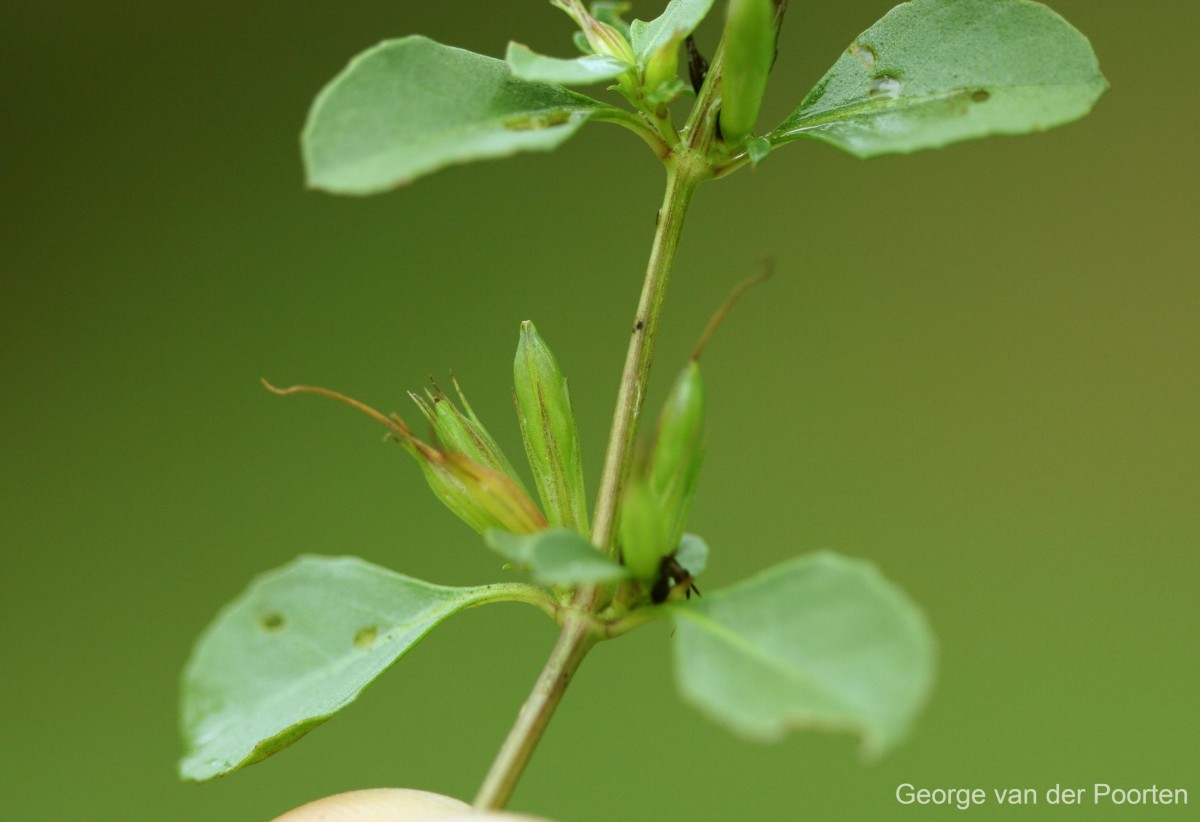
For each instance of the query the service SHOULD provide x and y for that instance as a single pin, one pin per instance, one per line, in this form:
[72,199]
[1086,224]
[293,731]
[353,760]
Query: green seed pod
[749,52]
[463,433]
[643,530]
[658,495]
[548,428]
[679,449]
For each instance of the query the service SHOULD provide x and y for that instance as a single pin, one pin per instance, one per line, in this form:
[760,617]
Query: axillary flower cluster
[468,471]
[651,83]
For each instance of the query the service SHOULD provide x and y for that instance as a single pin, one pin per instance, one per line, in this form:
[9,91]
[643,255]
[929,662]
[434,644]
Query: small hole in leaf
[365,637]
[272,623]
[884,85]
[981,96]
[865,55]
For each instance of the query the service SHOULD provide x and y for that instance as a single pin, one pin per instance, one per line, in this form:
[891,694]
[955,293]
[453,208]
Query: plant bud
[658,495]
[602,37]
[679,449]
[749,52]
[643,530]
[463,433]
[663,65]
[548,428]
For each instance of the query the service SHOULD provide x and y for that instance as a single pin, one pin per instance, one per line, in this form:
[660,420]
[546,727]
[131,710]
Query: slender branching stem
[579,633]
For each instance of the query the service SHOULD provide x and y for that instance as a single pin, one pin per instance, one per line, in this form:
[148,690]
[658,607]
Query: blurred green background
[977,368]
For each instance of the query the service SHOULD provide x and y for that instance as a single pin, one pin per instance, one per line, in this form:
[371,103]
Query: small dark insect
[697,65]
[671,575]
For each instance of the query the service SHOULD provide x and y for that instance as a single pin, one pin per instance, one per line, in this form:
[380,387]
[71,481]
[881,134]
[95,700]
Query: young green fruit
[679,449]
[549,431]
[658,497]
[749,52]
[643,530]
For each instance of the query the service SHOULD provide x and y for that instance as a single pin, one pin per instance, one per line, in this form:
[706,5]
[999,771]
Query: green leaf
[819,642]
[557,556]
[590,68]
[932,72]
[409,107]
[692,554]
[678,20]
[299,645]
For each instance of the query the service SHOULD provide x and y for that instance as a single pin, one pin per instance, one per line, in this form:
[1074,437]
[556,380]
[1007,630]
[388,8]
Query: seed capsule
[658,495]
[749,52]
[644,537]
[549,431]
[679,450]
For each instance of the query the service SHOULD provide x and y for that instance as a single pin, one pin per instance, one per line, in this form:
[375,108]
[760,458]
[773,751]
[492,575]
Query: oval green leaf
[409,107]
[578,71]
[299,645]
[933,72]
[820,642]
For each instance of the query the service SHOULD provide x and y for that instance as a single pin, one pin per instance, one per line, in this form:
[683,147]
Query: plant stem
[574,642]
[578,633]
[681,184]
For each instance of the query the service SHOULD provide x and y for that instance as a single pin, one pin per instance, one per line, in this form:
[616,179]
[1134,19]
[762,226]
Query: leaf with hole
[557,556]
[299,645]
[933,72]
[819,642]
[411,106]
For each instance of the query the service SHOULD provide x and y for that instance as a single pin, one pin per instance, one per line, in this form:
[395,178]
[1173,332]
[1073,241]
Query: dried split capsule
[462,432]
[481,496]
[549,431]
[749,52]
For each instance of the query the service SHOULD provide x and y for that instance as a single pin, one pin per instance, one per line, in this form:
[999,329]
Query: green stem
[681,184]
[578,635]
[574,642]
